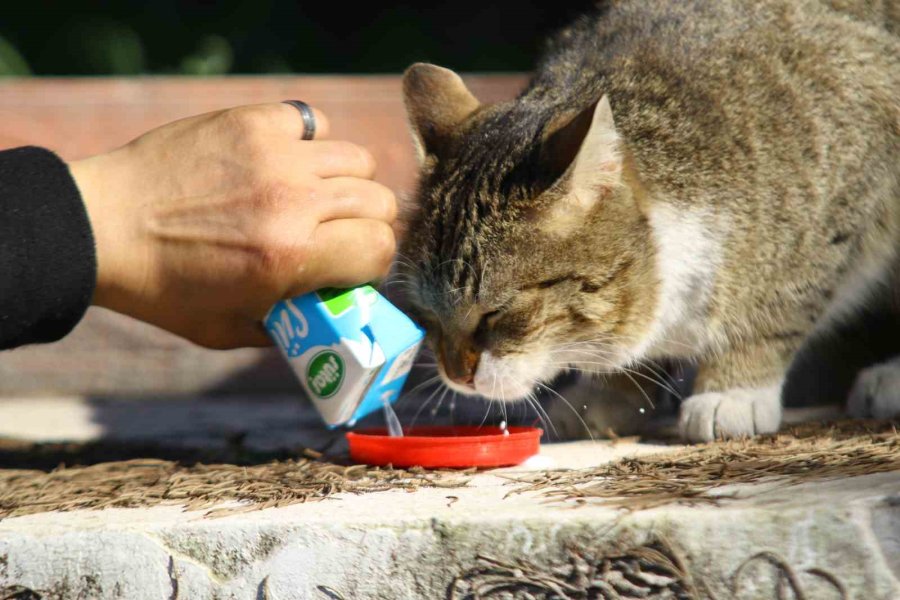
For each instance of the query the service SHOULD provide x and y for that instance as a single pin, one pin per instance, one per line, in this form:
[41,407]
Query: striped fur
[748,197]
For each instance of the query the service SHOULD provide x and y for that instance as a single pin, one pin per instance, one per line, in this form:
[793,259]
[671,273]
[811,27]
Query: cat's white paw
[876,392]
[735,413]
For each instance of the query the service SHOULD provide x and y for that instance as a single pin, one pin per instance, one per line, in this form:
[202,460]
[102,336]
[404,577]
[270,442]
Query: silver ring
[309,118]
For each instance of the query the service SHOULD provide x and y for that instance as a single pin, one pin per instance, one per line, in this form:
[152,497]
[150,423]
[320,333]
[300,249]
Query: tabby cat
[709,180]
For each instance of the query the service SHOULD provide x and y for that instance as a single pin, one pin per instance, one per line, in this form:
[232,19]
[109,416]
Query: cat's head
[529,249]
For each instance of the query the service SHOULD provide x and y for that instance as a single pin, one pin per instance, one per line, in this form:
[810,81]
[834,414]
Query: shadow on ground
[47,456]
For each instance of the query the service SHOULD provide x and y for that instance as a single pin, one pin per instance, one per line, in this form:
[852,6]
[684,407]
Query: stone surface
[412,545]
[398,544]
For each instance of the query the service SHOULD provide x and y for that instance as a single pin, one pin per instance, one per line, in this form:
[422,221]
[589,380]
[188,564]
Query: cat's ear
[582,162]
[437,101]
[581,153]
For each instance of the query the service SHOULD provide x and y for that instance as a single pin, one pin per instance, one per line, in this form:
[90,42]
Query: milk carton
[351,349]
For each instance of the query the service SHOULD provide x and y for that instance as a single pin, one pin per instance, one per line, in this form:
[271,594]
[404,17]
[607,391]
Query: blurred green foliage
[11,62]
[212,57]
[129,37]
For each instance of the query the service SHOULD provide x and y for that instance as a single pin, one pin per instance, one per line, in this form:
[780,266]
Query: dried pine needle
[147,482]
[807,452]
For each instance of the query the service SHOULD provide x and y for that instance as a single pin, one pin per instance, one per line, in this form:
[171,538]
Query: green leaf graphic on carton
[337,301]
[325,373]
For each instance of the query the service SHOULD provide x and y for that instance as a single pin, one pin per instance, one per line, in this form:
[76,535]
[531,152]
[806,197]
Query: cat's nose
[460,364]
[466,377]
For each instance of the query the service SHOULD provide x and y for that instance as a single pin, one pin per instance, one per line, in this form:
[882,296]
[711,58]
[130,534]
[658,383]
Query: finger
[251,334]
[297,128]
[281,119]
[347,252]
[353,198]
[336,159]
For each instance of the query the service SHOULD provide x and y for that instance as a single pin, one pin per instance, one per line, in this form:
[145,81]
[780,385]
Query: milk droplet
[641,410]
[503,427]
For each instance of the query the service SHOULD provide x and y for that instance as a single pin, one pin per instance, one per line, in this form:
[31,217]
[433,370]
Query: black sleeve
[48,266]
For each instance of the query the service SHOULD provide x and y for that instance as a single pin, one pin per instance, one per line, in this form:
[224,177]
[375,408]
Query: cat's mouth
[505,379]
[514,378]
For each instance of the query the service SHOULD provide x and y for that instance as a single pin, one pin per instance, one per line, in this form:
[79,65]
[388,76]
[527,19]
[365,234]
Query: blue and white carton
[351,349]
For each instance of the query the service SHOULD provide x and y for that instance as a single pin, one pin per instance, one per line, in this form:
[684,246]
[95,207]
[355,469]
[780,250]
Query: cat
[713,181]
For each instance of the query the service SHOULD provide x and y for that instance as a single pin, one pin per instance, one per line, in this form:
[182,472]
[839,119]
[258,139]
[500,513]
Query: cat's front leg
[736,394]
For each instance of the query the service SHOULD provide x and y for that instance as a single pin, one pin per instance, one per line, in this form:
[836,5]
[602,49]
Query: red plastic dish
[445,447]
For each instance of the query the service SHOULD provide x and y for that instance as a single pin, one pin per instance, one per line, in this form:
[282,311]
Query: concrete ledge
[829,539]
[403,545]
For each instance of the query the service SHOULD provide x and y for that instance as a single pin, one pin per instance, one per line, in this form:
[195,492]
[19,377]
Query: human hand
[203,224]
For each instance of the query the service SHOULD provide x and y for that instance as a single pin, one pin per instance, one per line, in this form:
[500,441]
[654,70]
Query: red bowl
[456,447]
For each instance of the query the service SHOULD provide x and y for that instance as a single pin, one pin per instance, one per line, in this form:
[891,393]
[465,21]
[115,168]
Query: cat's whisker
[427,402]
[590,350]
[393,283]
[440,403]
[610,338]
[662,339]
[487,412]
[542,414]
[403,275]
[658,370]
[450,260]
[406,272]
[469,312]
[426,383]
[483,271]
[663,380]
[648,364]
[408,262]
[612,370]
[527,402]
[491,401]
[572,408]
[597,353]
[641,390]
[627,372]
[453,396]
[406,396]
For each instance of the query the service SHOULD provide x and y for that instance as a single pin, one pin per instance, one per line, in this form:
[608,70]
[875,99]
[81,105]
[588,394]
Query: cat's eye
[554,281]
[585,285]
[488,320]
